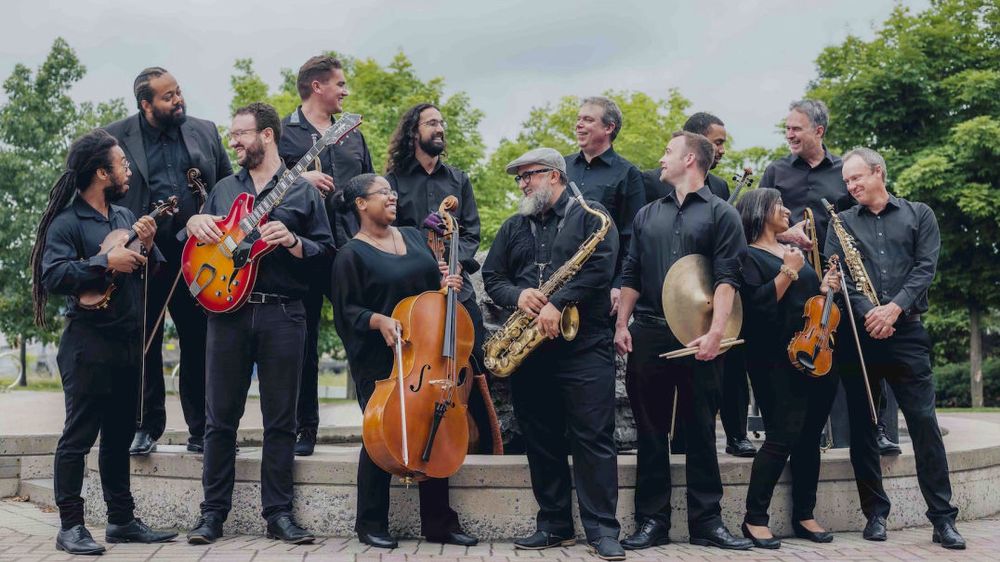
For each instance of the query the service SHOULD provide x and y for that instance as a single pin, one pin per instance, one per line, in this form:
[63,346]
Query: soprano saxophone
[852,257]
[507,348]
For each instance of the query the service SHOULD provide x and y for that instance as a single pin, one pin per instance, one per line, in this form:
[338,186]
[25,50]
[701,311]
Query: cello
[416,422]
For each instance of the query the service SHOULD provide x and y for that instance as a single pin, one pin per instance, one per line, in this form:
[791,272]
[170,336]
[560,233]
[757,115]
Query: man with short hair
[164,143]
[603,175]
[688,220]
[564,391]
[712,128]
[322,87]
[268,330]
[899,241]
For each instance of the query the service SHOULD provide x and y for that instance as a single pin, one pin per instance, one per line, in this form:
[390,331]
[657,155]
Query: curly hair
[403,142]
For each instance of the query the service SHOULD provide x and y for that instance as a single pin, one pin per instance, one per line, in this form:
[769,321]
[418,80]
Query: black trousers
[437,518]
[564,401]
[651,382]
[190,321]
[795,407]
[107,407]
[903,361]
[270,335]
[735,393]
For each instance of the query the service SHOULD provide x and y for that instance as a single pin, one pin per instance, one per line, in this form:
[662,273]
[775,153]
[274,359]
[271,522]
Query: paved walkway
[28,534]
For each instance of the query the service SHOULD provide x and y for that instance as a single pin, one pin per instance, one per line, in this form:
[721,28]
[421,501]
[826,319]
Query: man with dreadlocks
[100,350]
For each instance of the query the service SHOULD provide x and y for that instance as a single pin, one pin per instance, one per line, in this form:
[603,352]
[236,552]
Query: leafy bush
[953,384]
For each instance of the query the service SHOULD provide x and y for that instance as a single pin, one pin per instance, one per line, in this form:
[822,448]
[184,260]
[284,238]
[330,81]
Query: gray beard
[535,203]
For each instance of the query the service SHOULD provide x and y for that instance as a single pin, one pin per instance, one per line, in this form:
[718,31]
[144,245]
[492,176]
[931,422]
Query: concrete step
[40,491]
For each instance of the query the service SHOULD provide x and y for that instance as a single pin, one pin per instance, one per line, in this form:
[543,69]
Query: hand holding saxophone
[531,301]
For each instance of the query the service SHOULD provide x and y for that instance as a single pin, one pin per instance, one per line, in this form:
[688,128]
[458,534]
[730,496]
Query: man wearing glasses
[563,387]
[164,143]
[322,87]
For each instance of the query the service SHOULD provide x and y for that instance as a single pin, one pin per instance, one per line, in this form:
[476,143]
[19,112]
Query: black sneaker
[305,442]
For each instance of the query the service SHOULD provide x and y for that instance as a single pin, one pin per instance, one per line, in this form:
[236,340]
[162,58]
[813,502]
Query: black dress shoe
[378,539]
[455,537]
[136,531]
[305,443]
[875,529]
[207,530]
[142,444]
[77,540]
[607,548]
[772,543]
[651,533]
[196,445]
[740,447]
[542,540]
[947,535]
[803,533]
[284,528]
[720,537]
[886,448]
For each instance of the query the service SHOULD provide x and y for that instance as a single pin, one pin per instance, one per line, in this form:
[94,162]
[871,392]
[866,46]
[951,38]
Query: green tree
[926,93]
[37,124]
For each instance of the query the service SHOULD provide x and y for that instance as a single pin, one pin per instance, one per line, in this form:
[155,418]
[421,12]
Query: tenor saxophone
[852,257]
[507,348]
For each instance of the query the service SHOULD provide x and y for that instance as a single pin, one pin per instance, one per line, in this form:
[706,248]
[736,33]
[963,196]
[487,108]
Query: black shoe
[378,539]
[947,535]
[740,447]
[803,533]
[875,529]
[305,442]
[607,548]
[458,537]
[886,448]
[196,445]
[772,543]
[720,537]
[77,540]
[651,533]
[207,530]
[142,444]
[283,528]
[136,531]
[542,540]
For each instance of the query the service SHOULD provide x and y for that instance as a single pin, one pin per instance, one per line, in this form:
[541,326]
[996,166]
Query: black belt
[269,298]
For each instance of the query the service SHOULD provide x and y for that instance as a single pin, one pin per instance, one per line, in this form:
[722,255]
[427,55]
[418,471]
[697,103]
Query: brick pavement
[28,534]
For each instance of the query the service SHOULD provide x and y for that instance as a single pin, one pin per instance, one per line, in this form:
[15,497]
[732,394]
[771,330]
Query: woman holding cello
[777,282]
[379,267]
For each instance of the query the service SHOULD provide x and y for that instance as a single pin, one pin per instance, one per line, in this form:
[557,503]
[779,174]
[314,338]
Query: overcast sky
[741,59]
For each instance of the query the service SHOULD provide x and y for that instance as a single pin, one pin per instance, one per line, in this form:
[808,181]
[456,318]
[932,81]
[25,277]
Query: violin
[416,422]
[810,350]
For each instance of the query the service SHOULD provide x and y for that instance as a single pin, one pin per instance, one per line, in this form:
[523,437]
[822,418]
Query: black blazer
[204,146]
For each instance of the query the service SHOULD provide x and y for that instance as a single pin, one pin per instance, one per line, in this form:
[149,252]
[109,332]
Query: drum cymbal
[687,300]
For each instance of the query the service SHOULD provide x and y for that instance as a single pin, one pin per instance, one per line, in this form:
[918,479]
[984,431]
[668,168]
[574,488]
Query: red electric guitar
[221,276]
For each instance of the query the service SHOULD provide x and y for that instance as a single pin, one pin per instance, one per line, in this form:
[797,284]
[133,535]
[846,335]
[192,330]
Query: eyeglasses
[240,132]
[433,123]
[526,176]
[384,191]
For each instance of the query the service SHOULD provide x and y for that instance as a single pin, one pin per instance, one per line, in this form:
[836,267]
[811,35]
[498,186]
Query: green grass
[52,385]
[990,410]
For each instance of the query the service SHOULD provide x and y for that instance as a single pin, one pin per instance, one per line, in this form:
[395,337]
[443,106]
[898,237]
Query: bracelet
[297,242]
[793,275]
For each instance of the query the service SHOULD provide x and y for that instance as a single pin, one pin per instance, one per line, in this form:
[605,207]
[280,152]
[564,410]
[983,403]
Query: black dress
[366,281]
[795,406]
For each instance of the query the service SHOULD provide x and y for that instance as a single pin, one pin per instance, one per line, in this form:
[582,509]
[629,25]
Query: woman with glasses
[777,282]
[380,266]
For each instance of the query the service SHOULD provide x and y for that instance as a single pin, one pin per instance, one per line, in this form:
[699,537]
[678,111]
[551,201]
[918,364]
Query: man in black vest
[322,88]
[164,144]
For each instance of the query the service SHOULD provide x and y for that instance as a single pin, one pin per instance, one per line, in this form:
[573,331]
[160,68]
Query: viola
[416,422]
[811,350]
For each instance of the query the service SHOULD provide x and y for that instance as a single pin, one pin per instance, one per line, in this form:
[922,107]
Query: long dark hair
[755,208]
[402,145]
[87,154]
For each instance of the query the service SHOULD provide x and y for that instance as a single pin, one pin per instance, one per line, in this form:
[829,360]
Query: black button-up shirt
[616,184]
[802,186]
[301,211]
[900,247]
[341,161]
[528,250]
[420,194]
[657,189]
[168,162]
[71,264]
[665,231]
